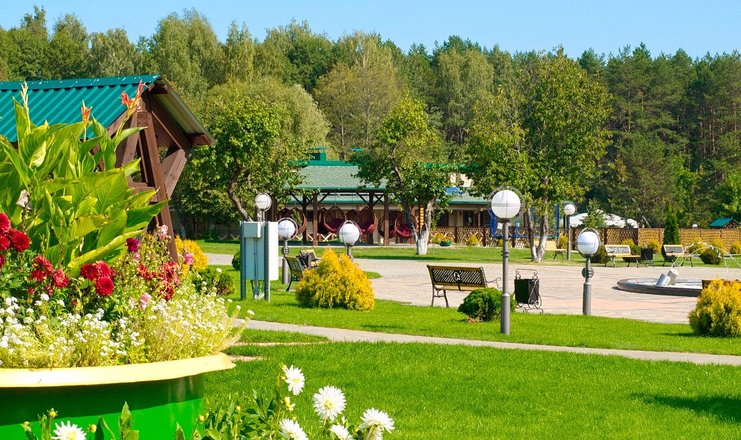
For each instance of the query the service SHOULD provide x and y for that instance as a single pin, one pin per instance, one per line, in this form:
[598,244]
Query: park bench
[620,251]
[308,258]
[674,252]
[297,270]
[459,278]
[551,246]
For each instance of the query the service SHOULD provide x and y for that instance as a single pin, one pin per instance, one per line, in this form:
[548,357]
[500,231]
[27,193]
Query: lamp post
[587,243]
[568,210]
[505,204]
[263,203]
[348,234]
[286,230]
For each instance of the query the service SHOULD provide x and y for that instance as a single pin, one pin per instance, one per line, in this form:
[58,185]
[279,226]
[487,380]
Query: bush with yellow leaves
[718,310]
[336,282]
[190,255]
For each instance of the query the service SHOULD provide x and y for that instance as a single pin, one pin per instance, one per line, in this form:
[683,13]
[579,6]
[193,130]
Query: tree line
[664,129]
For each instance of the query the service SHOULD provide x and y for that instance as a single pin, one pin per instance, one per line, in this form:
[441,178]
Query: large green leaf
[73,268]
[138,218]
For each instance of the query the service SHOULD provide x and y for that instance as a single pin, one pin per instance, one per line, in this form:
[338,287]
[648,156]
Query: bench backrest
[673,249]
[617,249]
[457,277]
[297,269]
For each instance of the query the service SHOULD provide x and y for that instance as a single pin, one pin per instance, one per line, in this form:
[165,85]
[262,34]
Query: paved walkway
[343,335]
[560,287]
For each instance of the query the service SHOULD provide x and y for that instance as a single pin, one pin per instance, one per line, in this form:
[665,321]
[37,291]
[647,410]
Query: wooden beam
[172,167]
[168,126]
[153,171]
[128,152]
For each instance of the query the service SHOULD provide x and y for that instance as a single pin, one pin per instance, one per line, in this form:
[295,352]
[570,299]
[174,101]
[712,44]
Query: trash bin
[527,290]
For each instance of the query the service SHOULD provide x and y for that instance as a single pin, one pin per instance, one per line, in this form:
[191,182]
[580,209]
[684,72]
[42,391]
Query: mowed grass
[455,392]
[476,254]
[435,253]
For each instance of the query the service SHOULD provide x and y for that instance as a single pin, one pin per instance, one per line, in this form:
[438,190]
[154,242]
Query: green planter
[160,395]
[446,243]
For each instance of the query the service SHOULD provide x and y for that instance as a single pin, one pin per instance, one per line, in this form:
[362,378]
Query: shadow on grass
[682,335]
[725,408]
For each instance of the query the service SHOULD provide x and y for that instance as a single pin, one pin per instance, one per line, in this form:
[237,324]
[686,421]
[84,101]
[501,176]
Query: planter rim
[130,373]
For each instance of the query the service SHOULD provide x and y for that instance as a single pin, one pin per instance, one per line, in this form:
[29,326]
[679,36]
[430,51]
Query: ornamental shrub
[600,257]
[735,248]
[484,304]
[336,282]
[718,310]
[634,248]
[711,255]
[563,242]
[718,243]
[653,244]
[236,263]
[697,247]
[671,232]
[222,282]
[472,241]
[190,255]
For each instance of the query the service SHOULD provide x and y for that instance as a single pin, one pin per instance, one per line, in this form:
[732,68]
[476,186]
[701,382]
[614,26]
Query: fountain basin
[682,287]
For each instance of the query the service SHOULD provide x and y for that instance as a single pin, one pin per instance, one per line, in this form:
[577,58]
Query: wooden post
[385,219]
[314,222]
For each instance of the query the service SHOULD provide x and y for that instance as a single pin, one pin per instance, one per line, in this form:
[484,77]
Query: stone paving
[560,286]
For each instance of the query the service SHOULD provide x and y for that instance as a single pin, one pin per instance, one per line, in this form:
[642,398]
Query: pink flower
[144,300]
[188,258]
[163,232]
[132,244]
[4,242]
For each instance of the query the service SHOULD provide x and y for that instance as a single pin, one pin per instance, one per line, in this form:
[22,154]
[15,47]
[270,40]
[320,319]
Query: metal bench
[297,270]
[674,252]
[459,278]
[620,251]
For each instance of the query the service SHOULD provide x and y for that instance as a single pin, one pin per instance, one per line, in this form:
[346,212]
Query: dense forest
[673,126]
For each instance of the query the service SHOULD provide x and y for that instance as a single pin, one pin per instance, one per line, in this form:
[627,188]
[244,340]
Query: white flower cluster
[189,325]
[329,402]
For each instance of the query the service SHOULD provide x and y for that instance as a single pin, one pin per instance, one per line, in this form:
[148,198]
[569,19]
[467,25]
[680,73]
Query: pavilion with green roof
[334,185]
[171,129]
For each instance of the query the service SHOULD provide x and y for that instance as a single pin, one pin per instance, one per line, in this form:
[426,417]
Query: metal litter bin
[527,291]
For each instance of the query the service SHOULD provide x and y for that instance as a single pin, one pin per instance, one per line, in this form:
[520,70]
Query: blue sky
[698,27]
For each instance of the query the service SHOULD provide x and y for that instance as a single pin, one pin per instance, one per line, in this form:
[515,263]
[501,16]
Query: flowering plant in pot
[88,300]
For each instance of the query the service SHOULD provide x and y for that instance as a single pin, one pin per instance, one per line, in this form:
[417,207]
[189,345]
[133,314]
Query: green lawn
[454,392]
[567,330]
[454,253]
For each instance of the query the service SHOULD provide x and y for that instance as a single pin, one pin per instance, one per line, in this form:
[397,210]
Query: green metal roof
[326,175]
[59,101]
[333,176]
[721,222]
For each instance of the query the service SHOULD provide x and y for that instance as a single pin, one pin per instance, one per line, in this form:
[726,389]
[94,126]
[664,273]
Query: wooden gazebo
[163,146]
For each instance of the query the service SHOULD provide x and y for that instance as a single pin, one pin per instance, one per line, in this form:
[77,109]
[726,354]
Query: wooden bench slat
[461,278]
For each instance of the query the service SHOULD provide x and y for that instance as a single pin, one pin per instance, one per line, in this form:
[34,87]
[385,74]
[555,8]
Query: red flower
[132,244]
[59,279]
[43,263]
[18,240]
[2,261]
[168,290]
[104,286]
[4,242]
[103,269]
[89,272]
[37,275]
[4,223]
[144,273]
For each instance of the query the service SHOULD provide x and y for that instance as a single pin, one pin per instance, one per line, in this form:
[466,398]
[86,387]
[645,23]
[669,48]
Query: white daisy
[294,379]
[376,421]
[329,402]
[68,432]
[291,430]
[340,432]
